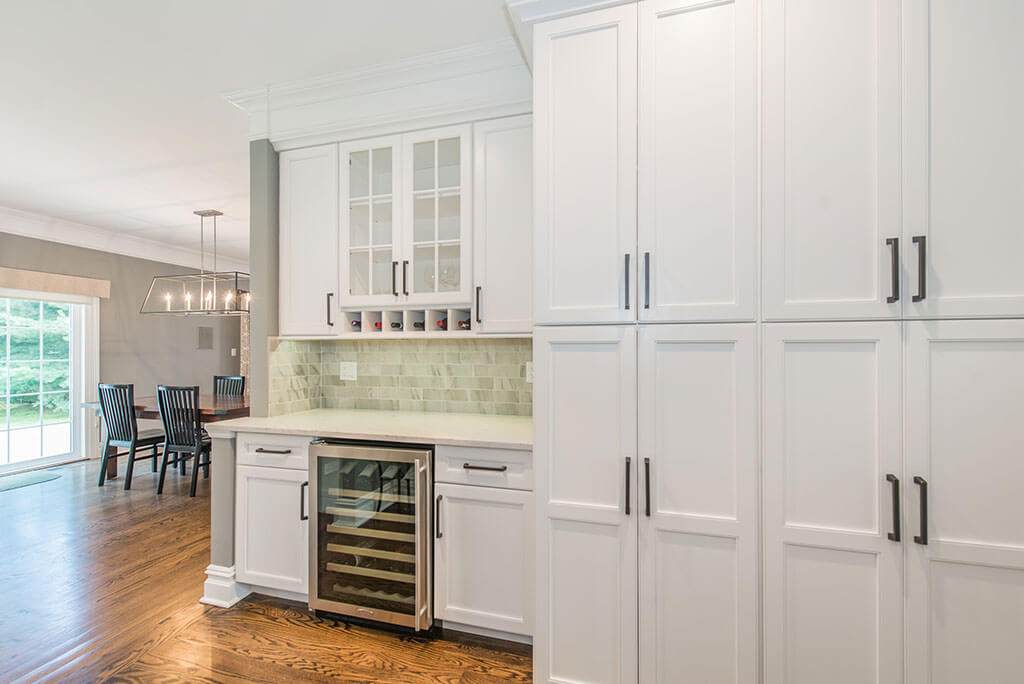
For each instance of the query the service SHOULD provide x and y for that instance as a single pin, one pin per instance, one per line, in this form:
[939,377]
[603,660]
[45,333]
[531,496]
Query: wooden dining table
[212,408]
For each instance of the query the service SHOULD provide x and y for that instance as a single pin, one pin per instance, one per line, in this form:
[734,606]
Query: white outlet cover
[529,371]
[347,370]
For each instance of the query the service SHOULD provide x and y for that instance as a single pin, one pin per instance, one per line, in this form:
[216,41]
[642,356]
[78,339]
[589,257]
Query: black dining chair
[230,385]
[179,412]
[117,403]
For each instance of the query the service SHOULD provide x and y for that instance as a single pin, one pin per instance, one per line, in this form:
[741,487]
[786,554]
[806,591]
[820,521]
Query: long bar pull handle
[629,468]
[394,278]
[261,450]
[647,280]
[922,264]
[303,515]
[329,321]
[405,277]
[478,318]
[437,516]
[895,534]
[894,244]
[496,469]
[627,286]
[647,487]
[923,537]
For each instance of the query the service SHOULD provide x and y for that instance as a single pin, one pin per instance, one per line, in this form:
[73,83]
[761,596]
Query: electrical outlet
[529,371]
[347,370]
[234,352]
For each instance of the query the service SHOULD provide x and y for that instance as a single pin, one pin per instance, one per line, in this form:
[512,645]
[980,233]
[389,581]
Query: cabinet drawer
[510,468]
[274,451]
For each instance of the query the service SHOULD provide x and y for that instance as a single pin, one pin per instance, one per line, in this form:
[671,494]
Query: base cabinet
[271,528]
[483,557]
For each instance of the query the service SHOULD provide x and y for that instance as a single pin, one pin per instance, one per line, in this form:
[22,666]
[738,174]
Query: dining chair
[117,403]
[179,412]
[231,385]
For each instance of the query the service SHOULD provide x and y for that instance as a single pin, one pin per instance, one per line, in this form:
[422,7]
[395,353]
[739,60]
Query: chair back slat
[233,385]
[179,413]
[117,403]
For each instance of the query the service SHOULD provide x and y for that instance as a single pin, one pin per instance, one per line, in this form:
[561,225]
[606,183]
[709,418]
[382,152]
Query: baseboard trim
[221,589]
[496,634]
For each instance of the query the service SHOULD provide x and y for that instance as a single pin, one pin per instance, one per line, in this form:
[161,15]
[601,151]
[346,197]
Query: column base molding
[221,589]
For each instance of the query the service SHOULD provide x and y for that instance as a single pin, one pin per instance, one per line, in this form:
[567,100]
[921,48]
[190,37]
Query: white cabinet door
[503,225]
[831,158]
[965,439]
[584,84]
[308,270]
[697,161]
[483,557]
[963,145]
[370,231]
[586,498]
[698,459]
[271,536]
[833,590]
[437,186]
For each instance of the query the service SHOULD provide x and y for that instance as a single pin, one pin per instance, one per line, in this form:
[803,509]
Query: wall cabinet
[833,579]
[503,225]
[483,557]
[271,533]
[308,241]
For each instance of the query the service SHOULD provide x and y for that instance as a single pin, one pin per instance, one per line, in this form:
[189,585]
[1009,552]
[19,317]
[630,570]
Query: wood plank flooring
[102,585]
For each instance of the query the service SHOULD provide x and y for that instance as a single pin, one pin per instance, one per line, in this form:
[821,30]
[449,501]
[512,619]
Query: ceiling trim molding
[26,224]
[533,11]
[484,80]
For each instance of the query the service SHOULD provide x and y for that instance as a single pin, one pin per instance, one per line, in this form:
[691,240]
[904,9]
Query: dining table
[212,408]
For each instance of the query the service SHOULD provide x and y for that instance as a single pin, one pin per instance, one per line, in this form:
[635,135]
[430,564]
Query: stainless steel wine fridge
[369,542]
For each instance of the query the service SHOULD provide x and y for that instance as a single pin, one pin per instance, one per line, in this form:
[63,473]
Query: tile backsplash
[477,375]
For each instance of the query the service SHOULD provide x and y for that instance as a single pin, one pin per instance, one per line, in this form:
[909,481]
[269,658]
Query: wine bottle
[464,324]
[376,325]
[356,323]
[442,323]
[417,325]
[396,325]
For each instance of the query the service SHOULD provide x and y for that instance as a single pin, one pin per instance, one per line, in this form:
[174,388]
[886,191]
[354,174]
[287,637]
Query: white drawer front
[510,468]
[274,451]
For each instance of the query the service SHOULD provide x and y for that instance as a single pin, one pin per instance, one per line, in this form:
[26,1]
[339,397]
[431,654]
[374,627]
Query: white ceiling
[112,111]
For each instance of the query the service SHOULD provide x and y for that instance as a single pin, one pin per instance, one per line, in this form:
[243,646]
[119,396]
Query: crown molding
[27,224]
[534,11]
[484,80]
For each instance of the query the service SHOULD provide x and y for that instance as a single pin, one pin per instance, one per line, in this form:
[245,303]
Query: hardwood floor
[103,585]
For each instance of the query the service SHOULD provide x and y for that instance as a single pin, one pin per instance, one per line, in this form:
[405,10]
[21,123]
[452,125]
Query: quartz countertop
[451,429]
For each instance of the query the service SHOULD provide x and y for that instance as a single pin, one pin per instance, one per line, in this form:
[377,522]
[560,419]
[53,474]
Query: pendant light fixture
[213,293]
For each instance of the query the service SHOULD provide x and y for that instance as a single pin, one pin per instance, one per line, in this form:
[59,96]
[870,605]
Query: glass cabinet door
[370,222]
[438,176]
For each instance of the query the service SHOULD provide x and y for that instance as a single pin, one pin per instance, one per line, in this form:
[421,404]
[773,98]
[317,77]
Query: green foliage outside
[35,348]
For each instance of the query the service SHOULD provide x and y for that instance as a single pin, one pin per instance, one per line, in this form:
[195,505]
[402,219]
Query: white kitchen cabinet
[370,221]
[271,527]
[831,159]
[585,102]
[697,161]
[965,562]
[833,577]
[698,512]
[963,145]
[308,241]
[503,225]
[483,557]
[586,499]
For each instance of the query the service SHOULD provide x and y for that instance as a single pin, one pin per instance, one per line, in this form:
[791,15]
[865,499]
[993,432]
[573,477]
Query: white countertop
[452,429]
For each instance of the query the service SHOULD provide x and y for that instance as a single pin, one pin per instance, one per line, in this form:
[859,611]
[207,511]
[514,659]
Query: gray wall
[263,264]
[145,350]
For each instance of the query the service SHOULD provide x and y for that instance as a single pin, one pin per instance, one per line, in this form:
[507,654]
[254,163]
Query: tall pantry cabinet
[779,347]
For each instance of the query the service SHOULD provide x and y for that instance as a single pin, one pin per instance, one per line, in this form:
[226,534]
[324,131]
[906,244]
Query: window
[40,381]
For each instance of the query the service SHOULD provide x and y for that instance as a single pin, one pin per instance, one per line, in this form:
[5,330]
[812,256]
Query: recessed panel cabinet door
[833,609]
[697,161]
[963,145]
[585,167]
[586,499]
[965,536]
[271,537]
[698,463]
[831,152]
[309,241]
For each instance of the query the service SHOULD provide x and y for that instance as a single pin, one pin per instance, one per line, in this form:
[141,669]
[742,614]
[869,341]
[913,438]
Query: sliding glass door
[38,378]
